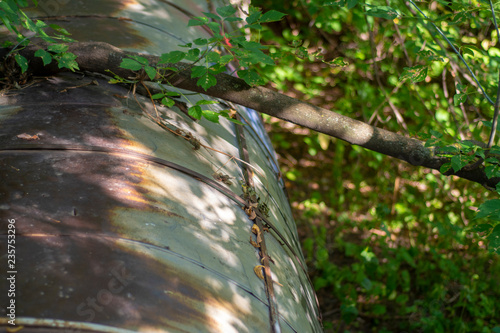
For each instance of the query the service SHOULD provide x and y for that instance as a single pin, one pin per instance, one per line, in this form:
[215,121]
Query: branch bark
[100,57]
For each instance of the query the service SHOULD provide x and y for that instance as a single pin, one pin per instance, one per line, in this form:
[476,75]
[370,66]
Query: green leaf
[459,98]
[367,284]
[200,41]
[212,56]
[157,96]
[206,102]
[250,76]
[383,12]
[351,4]
[494,238]
[271,16]
[59,29]
[141,60]
[57,48]
[338,62]
[193,55]
[214,26]
[415,73]
[492,170]
[151,72]
[131,64]
[195,111]
[253,18]
[225,114]
[436,134]
[226,59]
[40,24]
[198,20]
[474,48]
[46,56]
[445,167]
[226,11]
[466,50]
[253,57]
[233,19]
[348,313]
[211,115]
[22,62]
[340,3]
[168,102]
[484,227]
[172,93]
[212,16]
[198,71]
[206,81]
[459,161]
[67,60]
[251,46]
[172,57]
[489,209]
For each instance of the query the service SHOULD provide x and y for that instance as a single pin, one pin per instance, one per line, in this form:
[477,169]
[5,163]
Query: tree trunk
[123,224]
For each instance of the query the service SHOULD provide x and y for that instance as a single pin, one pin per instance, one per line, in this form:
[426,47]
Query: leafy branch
[14,19]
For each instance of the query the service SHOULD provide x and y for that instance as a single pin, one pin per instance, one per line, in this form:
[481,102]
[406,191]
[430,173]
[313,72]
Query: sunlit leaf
[150,71]
[459,98]
[195,111]
[383,12]
[211,115]
[68,60]
[226,11]
[415,74]
[46,56]
[212,16]
[57,48]
[168,102]
[198,20]
[206,102]
[206,81]
[22,62]
[131,64]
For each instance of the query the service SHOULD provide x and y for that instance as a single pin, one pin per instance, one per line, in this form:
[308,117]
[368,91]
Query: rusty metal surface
[126,229]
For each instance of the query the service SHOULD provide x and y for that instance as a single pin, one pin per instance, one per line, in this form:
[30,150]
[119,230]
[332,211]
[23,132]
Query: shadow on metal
[120,224]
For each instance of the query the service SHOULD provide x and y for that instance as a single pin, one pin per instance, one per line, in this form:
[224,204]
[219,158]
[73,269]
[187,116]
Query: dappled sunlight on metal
[121,224]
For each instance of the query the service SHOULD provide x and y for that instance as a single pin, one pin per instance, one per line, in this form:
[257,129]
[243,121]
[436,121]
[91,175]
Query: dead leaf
[254,244]
[258,271]
[26,136]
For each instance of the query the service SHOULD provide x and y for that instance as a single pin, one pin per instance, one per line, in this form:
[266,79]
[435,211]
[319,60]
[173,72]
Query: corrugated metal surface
[121,226]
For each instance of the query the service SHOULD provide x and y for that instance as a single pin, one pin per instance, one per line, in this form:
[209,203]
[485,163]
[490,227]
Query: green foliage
[15,20]
[402,246]
[209,57]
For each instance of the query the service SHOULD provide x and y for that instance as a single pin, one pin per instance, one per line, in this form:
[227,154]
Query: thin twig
[455,50]
[396,112]
[495,116]
[497,102]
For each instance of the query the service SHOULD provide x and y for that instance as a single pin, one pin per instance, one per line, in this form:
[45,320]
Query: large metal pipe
[123,226]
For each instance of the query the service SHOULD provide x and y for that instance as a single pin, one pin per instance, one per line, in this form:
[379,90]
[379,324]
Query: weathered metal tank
[124,226]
